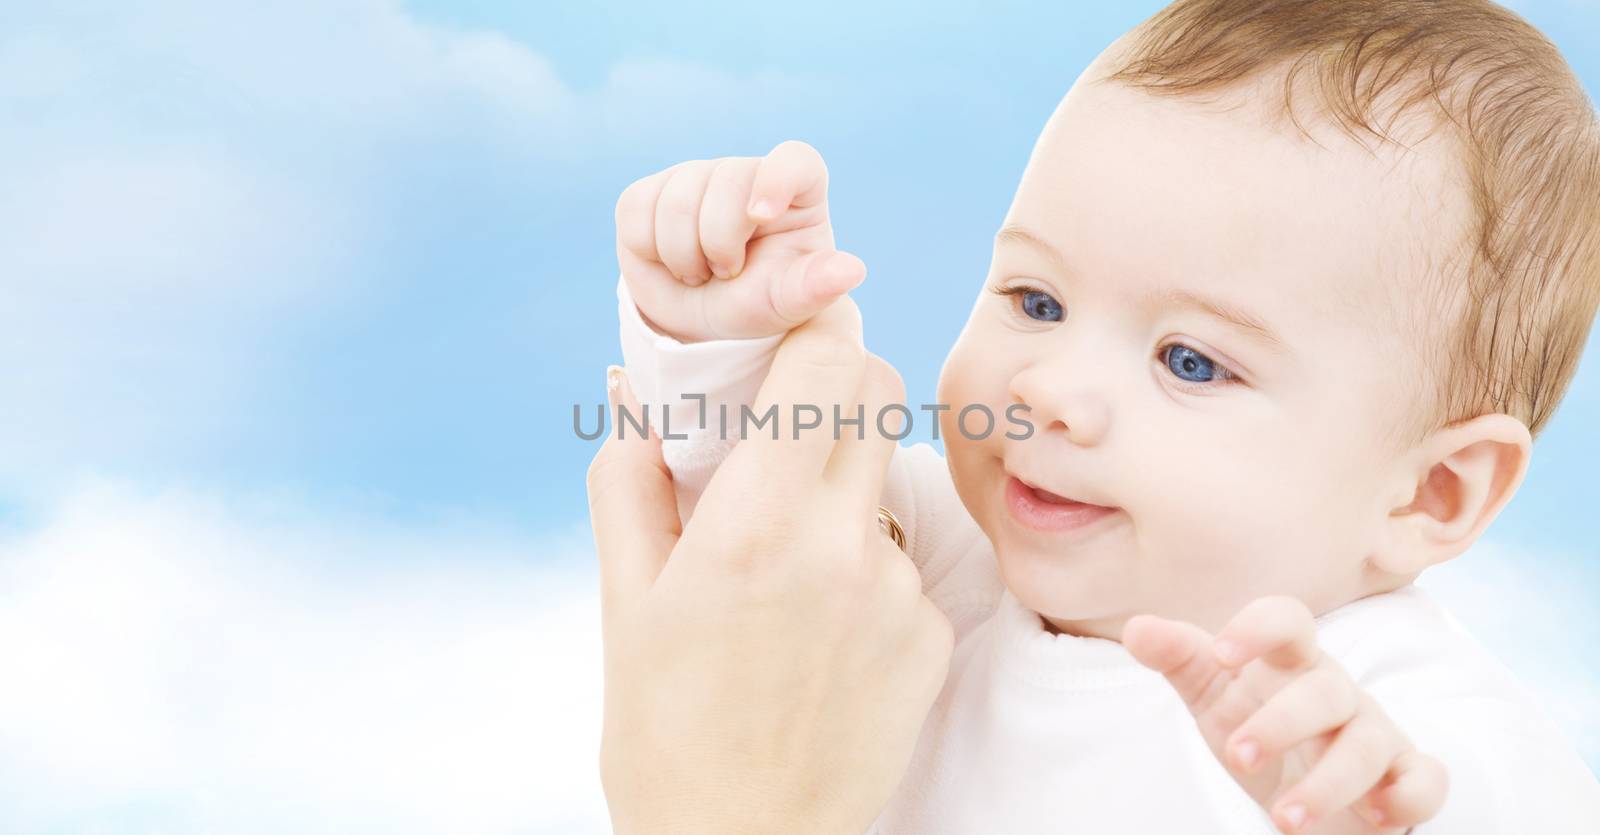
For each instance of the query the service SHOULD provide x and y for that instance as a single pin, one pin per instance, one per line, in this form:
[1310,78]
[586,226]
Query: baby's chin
[1087,587]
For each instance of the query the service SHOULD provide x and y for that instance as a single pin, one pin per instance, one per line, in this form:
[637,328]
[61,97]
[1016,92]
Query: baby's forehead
[1222,193]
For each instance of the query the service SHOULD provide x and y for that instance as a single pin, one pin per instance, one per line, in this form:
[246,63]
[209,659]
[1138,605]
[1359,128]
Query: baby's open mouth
[1048,496]
[1041,509]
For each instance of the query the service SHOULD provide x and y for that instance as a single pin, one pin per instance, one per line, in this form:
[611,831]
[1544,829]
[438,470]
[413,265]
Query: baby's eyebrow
[1236,316]
[1017,234]
[1168,296]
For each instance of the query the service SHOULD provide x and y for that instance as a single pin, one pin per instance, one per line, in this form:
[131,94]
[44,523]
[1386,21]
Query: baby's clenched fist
[733,248]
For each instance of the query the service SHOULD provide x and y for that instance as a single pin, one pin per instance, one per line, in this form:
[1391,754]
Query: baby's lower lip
[1033,511]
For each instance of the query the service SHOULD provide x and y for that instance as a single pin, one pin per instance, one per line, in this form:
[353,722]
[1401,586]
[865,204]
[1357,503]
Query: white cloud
[34,67]
[1535,610]
[186,664]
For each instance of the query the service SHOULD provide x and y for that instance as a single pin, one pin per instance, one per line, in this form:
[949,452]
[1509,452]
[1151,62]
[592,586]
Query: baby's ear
[1469,471]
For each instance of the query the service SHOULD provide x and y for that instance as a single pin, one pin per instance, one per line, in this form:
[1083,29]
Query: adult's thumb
[813,281]
[631,504]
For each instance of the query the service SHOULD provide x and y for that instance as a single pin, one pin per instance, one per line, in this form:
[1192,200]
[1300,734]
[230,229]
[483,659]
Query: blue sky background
[294,303]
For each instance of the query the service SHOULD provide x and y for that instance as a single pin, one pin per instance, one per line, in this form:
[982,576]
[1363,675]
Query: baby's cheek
[951,391]
[956,376]
[1215,539]
[1203,547]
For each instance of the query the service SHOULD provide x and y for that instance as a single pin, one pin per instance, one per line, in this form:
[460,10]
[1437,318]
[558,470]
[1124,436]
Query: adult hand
[769,666]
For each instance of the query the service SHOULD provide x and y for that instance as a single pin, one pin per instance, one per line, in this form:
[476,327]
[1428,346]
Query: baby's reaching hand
[737,247]
[1290,725]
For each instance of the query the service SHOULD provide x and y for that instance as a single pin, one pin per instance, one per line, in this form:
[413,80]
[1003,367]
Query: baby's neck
[1110,630]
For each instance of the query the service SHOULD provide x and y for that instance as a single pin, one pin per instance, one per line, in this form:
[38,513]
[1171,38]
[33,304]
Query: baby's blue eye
[1041,306]
[1186,361]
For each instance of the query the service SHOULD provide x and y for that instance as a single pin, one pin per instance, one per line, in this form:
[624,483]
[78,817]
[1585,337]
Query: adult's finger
[860,460]
[818,365]
[631,504]
[1280,630]
[792,174]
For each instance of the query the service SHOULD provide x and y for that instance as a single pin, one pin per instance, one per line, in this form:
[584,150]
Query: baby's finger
[1180,651]
[1412,792]
[678,222]
[1358,757]
[1311,704]
[811,283]
[800,289]
[792,174]
[725,226]
[1279,630]
[636,214]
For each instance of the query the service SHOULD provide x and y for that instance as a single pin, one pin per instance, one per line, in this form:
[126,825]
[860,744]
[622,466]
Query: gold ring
[891,526]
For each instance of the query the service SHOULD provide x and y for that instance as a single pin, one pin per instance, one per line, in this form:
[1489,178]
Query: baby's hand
[735,247]
[1290,725]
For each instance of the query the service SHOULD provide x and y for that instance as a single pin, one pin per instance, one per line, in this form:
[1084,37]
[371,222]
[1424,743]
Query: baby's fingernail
[1227,652]
[761,209]
[1247,752]
[718,272]
[1296,816]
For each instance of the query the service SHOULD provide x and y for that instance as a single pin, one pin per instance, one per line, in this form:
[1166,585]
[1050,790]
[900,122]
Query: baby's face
[1240,458]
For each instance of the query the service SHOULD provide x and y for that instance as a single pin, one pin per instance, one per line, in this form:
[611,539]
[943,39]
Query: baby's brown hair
[1525,294]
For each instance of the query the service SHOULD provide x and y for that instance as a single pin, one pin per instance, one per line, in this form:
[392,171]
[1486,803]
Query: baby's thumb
[813,282]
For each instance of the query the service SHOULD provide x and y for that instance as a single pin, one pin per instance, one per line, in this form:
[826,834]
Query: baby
[1284,295]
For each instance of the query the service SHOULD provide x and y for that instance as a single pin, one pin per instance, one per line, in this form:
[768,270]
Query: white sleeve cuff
[662,370]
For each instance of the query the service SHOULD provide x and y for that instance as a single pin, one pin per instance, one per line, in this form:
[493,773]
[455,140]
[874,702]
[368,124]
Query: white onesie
[1039,732]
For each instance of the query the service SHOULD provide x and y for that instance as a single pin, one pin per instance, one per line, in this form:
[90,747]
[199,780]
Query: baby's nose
[1061,402]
